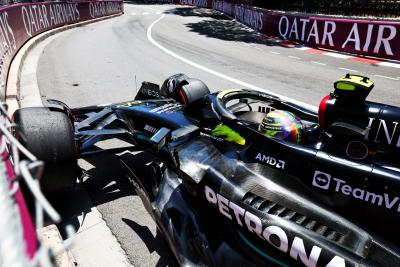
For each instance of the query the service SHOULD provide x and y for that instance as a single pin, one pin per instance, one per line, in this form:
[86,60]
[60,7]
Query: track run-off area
[107,61]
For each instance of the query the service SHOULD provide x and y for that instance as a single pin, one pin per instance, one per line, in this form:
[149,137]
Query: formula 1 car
[333,200]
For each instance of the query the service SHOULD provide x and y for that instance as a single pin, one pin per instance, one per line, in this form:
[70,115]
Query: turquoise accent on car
[262,253]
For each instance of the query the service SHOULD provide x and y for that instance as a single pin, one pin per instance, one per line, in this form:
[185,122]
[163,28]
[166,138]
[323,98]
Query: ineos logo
[152,93]
[321,180]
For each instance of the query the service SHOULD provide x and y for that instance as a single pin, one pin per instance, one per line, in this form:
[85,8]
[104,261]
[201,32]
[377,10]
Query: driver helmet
[282,125]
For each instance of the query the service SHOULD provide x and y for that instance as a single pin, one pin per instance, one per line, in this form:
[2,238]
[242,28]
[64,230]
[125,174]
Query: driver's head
[282,125]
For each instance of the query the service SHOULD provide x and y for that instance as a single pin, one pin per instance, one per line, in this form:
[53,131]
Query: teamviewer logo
[321,180]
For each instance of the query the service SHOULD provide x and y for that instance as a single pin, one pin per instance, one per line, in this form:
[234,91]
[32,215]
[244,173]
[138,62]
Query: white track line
[294,57]
[218,74]
[318,63]
[275,53]
[303,48]
[145,13]
[331,54]
[389,64]
[348,69]
[386,77]
[133,14]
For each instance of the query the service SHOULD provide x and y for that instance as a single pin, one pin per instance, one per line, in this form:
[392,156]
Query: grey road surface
[103,62]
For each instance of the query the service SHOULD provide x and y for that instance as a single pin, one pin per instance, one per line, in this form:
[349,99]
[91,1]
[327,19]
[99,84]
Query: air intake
[272,208]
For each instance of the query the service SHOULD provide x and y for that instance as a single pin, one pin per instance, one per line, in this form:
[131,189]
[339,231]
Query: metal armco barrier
[363,37]
[20,22]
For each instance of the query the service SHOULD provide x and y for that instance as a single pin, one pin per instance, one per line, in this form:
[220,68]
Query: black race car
[333,200]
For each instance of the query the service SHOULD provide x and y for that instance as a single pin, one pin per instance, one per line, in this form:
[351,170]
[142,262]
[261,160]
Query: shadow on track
[187,11]
[219,26]
[107,181]
[216,25]
[156,243]
[101,184]
[106,186]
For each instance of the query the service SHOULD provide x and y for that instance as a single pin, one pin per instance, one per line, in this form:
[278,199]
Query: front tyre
[49,135]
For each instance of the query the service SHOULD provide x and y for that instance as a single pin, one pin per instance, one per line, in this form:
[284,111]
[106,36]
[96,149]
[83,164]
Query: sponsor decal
[153,93]
[150,129]
[372,38]
[297,30]
[37,18]
[387,132]
[222,6]
[274,235]
[167,108]
[321,180]
[8,43]
[100,9]
[277,163]
[326,181]
[212,137]
[199,3]
[150,92]
[250,17]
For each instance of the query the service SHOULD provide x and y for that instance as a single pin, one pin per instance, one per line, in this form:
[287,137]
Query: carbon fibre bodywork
[270,202]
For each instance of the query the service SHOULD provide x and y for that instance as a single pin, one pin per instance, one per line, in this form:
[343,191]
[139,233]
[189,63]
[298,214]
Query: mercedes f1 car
[333,200]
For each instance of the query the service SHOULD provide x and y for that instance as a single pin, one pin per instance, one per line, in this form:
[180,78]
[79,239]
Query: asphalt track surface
[105,62]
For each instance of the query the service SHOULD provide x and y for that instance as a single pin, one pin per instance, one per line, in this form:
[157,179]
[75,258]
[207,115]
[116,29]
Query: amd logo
[279,164]
[390,132]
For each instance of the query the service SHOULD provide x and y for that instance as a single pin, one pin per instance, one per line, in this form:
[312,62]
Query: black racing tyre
[49,135]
